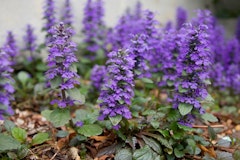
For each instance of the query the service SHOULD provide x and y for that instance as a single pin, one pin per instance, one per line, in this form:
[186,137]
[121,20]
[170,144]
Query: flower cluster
[93,26]
[49,15]
[181,17]
[117,93]
[6,88]
[194,61]
[10,43]
[67,15]
[138,48]
[98,75]
[128,24]
[60,62]
[169,51]
[30,40]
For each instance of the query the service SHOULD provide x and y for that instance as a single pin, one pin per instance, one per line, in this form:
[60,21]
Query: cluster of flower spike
[193,65]
[49,15]
[30,41]
[10,43]
[117,92]
[93,26]
[60,60]
[98,76]
[67,13]
[6,88]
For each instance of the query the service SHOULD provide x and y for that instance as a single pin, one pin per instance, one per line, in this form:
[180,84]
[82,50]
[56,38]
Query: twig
[213,126]
[55,155]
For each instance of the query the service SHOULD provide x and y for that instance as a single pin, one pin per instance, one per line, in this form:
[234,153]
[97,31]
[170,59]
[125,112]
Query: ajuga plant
[61,73]
[6,87]
[49,16]
[194,61]
[93,27]
[117,92]
[67,17]
[232,65]
[181,17]
[11,44]
[138,48]
[30,41]
[98,75]
[169,51]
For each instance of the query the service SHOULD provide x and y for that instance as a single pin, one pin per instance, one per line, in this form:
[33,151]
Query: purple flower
[93,27]
[193,68]
[79,124]
[67,15]
[49,15]
[181,17]
[168,26]
[98,76]
[6,87]
[117,93]
[11,44]
[169,58]
[138,48]
[60,61]
[30,41]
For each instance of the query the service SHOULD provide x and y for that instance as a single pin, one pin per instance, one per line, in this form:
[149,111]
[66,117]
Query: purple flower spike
[193,68]
[181,17]
[49,15]
[6,87]
[67,15]
[30,41]
[138,49]
[98,75]
[93,27]
[116,95]
[11,44]
[60,61]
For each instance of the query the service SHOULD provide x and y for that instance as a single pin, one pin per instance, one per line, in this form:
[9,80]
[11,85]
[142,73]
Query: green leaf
[185,128]
[236,154]
[115,120]
[62,134]
[55,82]
[19,134]
[212,133]
[209,117]
[60,116]
[144,153]
[8,143]
[173,115]
[23,77]
[90,130]
[146,80]
[46,114]
[170,83]
[182,90]
[161,139]
[185,108]
[9,125]
[85,116]
[75,94]
[178,153]
[123,154]
[40,138]
[153,144]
